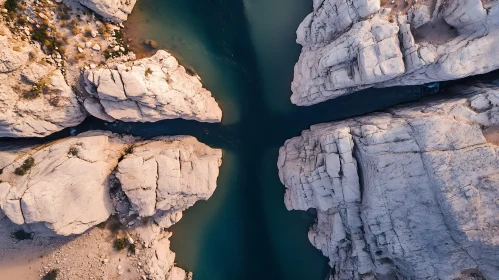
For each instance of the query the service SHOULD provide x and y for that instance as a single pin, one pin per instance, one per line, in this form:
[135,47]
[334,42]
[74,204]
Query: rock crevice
[426,206]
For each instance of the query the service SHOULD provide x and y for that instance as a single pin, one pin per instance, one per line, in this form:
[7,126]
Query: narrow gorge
[139,139]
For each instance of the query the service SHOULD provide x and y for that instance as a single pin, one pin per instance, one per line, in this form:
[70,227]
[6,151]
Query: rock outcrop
[65,185]
[353,45]
[148,90]
[113,10]
[35,99]
[62,185]
[410,193]
[168,174]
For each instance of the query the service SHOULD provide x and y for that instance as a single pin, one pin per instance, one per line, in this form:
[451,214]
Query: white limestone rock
[353,45]
[169,174]
[35,99]
[160,264]
[10,59]
[66,189]
[64,185]
[148,90]
[55,108]
[409,193]
[114,10]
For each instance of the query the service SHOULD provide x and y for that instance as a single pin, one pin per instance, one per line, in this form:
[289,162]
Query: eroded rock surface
[35,99]
[148,90]
[353,45]
[169,174]
[65,185]
[410,193]
[113,10]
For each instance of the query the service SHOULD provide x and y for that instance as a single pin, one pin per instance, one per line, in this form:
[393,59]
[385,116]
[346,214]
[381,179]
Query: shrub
[131,248]
[10,5]
[88,32]
[118,35]
[73,151]
[102,225]
[27,164]
[74,27]
[30,94]
[120,243]
[36,90]
[102,29]
[51,275]
[114,226]
[148,72]
[21,235]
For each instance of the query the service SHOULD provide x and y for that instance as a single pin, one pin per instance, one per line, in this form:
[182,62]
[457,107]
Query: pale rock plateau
[408,193]
[357,44]
[148,90]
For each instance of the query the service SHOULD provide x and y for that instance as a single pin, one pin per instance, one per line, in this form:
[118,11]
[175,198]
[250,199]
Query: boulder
[63,185]
[409,193]
[353,45]
[169,174]
[148,90]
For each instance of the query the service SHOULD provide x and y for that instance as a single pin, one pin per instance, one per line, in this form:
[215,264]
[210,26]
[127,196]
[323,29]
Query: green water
[244,51]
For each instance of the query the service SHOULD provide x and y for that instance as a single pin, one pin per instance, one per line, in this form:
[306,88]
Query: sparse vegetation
[131,248]
[118,35]
[54,101]
[114,226]
[120,243]
[11,5]
[127,151]
[102,225]
[73,151]
[21,235]
[51,275]
[27,164]
[103,29]
[88,32]
[41,35]
[148,72]
[36,90]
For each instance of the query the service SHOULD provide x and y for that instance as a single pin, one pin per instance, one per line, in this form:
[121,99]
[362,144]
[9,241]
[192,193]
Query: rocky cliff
[64,185]
[35,99]
[49,54]
[68,186]
[357,44]
[148,90]
[409,193]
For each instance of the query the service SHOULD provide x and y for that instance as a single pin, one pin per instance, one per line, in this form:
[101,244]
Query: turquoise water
[244,51]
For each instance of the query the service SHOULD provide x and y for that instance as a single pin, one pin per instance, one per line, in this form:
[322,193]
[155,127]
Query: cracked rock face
[408,193]
[35,99]
[148,90]
[64,186]
[169,174]
[357,44]
[113,10]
